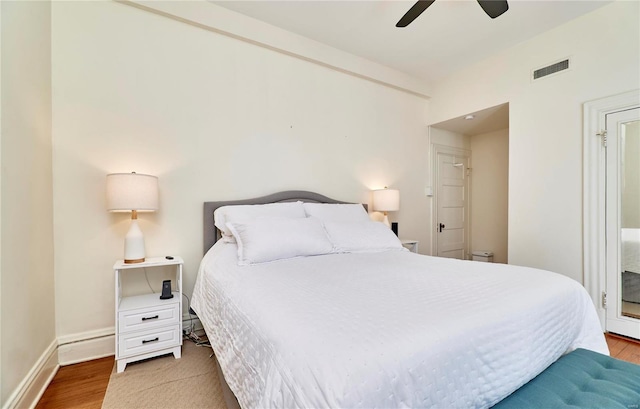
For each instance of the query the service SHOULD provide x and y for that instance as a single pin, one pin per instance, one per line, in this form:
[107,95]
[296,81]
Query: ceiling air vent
[551,69]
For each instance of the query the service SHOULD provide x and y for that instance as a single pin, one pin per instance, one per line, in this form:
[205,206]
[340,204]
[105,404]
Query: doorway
[623,221]
[612,210]
[451,177]
[483,136]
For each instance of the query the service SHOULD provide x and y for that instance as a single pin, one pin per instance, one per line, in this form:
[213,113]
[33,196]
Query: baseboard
[86,350]
[67,350]
[85,336]
[86,346]
[29,391]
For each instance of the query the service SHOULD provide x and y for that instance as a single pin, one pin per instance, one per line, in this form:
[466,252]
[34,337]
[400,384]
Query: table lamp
[386,200]
[132,192]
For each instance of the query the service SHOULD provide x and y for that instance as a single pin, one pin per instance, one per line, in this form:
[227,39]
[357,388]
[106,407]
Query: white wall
[208,16]
[489,193]
[27,309]
[214,118]
[449,138]
[545,124]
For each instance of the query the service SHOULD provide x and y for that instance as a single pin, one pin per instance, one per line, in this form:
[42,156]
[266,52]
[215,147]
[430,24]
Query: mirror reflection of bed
[630,253]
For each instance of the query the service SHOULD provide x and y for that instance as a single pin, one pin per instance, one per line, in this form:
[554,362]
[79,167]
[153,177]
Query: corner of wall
[29,346]
[32,387]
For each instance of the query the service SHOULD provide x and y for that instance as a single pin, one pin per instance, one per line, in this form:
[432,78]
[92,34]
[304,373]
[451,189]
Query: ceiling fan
[493,8]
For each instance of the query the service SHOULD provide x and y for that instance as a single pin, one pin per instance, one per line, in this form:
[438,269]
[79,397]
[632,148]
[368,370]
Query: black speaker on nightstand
[394,227]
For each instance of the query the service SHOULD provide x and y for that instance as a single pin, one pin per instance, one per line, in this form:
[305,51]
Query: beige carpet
[166,382]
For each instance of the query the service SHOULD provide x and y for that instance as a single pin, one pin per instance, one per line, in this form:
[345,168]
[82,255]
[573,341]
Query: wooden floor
[84,385]
[78,386]
[626,349]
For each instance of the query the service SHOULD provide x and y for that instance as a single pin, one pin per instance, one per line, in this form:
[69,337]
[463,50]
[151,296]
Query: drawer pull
[155,317]
[146,341]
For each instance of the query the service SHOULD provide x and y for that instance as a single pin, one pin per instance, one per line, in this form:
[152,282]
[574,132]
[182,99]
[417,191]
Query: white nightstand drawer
[147,318]
[147,341]
[146,325]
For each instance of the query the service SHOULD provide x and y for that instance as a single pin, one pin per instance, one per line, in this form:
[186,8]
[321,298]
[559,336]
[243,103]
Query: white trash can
[481,255]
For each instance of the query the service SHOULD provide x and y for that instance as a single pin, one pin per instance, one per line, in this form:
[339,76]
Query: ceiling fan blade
[414,12]
[494,8]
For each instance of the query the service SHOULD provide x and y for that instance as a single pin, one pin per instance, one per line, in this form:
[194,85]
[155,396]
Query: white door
[623,222]
[452,169]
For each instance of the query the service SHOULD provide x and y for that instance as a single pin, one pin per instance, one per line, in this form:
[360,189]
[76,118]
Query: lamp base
[134,244]
[386,220]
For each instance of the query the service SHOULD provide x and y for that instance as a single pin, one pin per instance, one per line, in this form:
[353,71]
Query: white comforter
[386,330]
[630,250]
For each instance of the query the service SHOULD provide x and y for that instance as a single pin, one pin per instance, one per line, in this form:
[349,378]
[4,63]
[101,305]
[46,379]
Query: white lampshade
[132,192]
[386,200]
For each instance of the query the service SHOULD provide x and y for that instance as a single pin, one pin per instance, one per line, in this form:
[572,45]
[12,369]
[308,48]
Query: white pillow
[362,237]
[264,240]
[328,212]
[247,213]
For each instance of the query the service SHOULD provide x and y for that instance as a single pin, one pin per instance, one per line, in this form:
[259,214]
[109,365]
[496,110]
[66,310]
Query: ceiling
[446,37]
[484,121]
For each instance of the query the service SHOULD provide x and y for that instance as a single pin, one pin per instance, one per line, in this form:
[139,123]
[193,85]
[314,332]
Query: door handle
[440,227]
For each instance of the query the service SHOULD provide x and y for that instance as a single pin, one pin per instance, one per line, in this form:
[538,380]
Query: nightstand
[147,326]
[412,245]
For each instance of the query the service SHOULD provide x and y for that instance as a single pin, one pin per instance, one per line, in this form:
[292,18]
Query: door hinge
[604,299]
[603,135]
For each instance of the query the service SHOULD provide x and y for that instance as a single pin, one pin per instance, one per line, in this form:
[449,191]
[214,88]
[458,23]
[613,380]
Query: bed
[366,326]
[630,257]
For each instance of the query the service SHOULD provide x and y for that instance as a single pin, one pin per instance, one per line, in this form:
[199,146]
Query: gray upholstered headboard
[211,233]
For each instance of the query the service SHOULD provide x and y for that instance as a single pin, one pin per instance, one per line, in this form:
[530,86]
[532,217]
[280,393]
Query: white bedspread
[386,330]
[630,250]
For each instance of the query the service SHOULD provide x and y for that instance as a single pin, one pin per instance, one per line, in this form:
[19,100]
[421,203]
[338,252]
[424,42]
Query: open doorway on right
[485,133]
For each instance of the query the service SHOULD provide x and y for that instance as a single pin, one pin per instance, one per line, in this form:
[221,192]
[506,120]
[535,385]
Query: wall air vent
[551,69]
